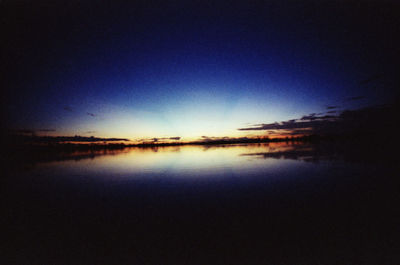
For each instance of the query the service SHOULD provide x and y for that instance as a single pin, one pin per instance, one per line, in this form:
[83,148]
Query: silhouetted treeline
[363,128]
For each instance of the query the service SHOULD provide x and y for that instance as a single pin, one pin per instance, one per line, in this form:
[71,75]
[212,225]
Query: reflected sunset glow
[194,161]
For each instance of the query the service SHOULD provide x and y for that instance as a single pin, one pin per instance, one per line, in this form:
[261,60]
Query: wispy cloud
[331,107]
[91,114]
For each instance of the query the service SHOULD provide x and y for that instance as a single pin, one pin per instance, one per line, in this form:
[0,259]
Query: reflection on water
[202,160]
[276,203]
[182,161]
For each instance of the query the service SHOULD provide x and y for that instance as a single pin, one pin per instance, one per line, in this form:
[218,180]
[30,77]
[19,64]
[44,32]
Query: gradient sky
[192,68]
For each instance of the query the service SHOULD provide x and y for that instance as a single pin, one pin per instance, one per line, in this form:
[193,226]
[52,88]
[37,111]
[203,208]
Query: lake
[276,203]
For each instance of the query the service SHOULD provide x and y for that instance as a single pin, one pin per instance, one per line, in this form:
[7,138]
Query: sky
[192,69]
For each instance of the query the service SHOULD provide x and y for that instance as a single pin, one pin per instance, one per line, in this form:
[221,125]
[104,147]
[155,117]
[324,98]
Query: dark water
[237,204]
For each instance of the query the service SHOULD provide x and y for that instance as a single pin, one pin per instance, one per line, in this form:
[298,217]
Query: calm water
[237,204]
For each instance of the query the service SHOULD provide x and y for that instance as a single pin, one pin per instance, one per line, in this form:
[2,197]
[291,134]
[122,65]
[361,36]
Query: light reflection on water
[326,200]
[180,161]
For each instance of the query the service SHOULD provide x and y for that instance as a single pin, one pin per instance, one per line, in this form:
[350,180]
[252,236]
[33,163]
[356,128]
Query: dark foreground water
[237,204]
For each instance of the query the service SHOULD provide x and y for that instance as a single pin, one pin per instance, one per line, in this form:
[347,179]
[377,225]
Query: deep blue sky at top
[191,68]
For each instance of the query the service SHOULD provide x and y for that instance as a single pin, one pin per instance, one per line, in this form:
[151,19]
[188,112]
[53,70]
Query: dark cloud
[331,111]
[331,107]
[361,121]
[67,108]
[309,117]
[269,126]
[284,126]
[91,114]
[306,121]
[289,121]
[327,117]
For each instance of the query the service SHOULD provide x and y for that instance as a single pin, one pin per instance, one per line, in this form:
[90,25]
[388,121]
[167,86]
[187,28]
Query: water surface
[277,203]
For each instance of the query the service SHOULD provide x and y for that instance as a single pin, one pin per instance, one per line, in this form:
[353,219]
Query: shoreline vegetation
[43,143]
[370,124]
[351,147]
[361,132]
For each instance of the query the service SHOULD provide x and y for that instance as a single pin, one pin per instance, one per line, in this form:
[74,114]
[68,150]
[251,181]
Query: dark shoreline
[352,148]
[48,145]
